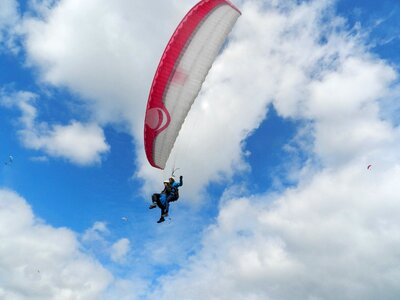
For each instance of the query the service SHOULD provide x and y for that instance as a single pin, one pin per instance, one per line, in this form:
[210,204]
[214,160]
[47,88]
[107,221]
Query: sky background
[277,202]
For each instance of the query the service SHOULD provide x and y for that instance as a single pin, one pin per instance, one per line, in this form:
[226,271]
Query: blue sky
[275,190]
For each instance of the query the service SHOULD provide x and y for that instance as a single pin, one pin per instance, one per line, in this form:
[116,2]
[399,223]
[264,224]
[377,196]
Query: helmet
[171,180]
[166,181]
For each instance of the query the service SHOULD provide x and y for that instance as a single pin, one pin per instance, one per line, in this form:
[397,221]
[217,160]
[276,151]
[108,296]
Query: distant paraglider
[369,167]
[9,160]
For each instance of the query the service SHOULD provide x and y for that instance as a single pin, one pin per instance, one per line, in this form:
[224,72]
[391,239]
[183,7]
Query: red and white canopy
[182,69]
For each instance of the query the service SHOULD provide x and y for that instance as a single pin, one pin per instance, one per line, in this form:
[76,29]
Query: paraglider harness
[174,191]
[174,194]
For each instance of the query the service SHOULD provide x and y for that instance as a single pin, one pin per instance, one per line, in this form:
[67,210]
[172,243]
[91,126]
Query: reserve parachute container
[183,67]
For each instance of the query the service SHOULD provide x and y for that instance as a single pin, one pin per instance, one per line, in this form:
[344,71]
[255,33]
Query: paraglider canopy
[182,69]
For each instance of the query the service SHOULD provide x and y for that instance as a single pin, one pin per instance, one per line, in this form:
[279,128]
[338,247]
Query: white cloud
[105,51]
[96,233]
[97,240]
[127,289]
[334,238]
[38,261]
[79,143]
[346,102]
[8,13]
[8,21]
[119,250]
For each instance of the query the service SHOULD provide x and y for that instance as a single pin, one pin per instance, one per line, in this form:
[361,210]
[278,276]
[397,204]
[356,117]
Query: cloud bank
[336,237]
[38,261]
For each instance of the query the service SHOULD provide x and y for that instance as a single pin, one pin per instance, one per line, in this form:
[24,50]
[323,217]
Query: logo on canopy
[157,118]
